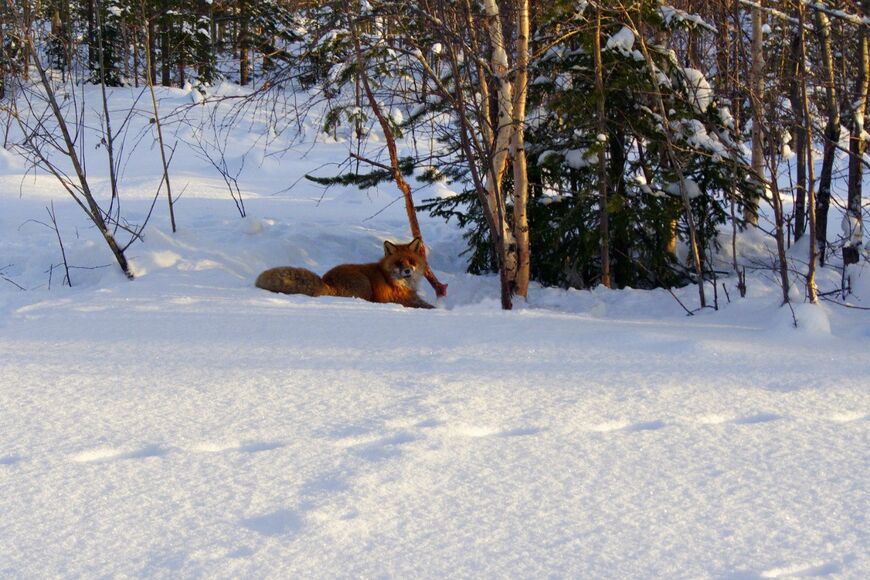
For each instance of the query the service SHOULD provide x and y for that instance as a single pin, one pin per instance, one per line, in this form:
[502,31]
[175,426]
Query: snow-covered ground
[188,424]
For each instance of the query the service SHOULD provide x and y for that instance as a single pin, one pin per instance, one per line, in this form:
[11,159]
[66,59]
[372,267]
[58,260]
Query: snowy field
[187,424]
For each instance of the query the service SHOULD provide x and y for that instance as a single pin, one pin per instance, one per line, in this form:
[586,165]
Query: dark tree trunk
[800,138]
[857,143]
[165,52]
[92,35]
[832,134]
[152,50]
[244,41]
[600,97]
[622,270]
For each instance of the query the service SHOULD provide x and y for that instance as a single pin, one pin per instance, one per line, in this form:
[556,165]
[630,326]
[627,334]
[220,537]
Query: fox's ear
[416,246]
[389,248]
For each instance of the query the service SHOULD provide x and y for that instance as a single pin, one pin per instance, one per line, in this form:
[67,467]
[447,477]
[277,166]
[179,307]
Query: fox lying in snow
[393,279]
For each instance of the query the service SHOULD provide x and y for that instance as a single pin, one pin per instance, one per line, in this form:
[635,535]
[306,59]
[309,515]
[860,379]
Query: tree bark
[90,204]
[756,90]
[392,150]
[499,151]
[832,132]
[521,175]
[151,47]
[779,222]
[800,137]
[149,79]
[165,51]
[853,225]
[244,65]
[604,219]
[812,291]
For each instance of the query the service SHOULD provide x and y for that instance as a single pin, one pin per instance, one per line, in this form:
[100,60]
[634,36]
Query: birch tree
[822,25]
[853,226]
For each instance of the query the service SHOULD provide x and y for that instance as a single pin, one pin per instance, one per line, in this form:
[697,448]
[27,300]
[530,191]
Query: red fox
[393,279]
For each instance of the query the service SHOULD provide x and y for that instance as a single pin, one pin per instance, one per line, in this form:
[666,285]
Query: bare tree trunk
[182,65]
[604,218]
[108,137]
[475,142]
[853,225]
[92,44]
[832,133]
[756,88]
[499,157]
[244,64]
[95,213]
[800,134]
[389,137]
[779,221]
[736,110]
[812,292]
[521,176]
[149,64]
[135,34]
[28,46]
[151,48]
[165,52]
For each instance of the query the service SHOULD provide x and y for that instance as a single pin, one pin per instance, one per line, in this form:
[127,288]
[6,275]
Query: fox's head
[405,262]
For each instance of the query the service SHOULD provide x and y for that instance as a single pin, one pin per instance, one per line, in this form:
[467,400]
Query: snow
[622,41]
[577,158]
[188,424]
[853,230]
[699,89]
[693,190]
[672,15]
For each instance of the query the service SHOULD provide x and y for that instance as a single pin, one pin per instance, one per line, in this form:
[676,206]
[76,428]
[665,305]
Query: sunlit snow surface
[187,424]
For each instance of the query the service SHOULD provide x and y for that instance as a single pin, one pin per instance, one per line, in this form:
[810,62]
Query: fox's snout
[405,269]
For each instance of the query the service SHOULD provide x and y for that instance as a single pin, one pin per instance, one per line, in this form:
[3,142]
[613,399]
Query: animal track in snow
[257,446]
[758,418]
[718,419]
[384,448]
[10,459]
[483,431]
[248,447]
[645,426]
[104,454]
[612,426]
[277,523]
[819,568]
[521,432]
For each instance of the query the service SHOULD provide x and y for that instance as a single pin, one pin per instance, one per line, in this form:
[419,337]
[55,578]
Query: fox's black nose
[406,272]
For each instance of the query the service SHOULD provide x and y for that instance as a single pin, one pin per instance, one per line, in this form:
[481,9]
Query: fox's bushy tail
[293,281]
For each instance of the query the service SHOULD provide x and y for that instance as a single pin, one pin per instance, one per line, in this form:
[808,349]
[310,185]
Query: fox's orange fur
[393,279]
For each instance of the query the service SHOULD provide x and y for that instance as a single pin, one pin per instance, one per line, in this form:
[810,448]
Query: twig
[53,216]
[17,285]
[647,270]
[843,304]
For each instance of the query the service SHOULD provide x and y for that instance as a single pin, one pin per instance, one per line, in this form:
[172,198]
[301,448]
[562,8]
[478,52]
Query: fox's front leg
[416,302]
